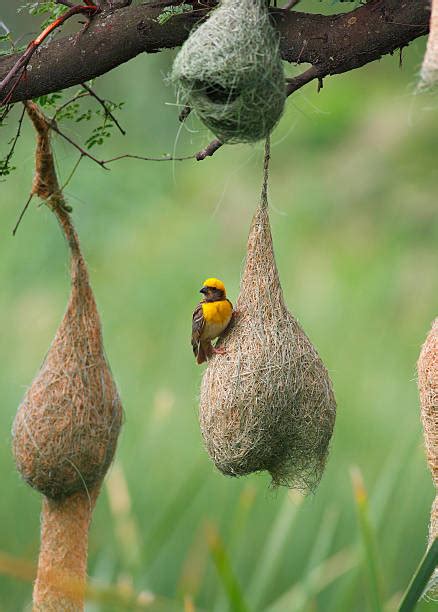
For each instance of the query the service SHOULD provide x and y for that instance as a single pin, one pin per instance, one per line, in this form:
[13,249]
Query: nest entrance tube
[267,403]
[230,72]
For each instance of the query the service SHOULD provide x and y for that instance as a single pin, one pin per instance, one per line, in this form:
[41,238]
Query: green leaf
[49,100]
[420,579]
[225,571]
[171,11]
[368,540]
[274,548]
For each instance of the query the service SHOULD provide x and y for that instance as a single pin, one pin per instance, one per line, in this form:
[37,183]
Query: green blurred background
[353,211]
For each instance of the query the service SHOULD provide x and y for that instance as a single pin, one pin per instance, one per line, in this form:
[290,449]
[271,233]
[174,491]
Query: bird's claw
[219,351]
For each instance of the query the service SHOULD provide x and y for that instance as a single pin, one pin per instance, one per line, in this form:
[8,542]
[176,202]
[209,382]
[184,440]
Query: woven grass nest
[66,428]
[428,387]
[65,431]
[230,72]
[267,403]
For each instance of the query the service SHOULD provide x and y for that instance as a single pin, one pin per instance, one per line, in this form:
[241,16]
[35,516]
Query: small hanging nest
[66,429]
[429,68]
[427,367]
[230,72]
[267,403]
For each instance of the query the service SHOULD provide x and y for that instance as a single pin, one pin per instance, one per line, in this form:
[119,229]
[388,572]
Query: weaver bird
[211,317]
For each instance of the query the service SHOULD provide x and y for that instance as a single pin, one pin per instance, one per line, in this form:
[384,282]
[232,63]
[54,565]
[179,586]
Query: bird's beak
[203,290]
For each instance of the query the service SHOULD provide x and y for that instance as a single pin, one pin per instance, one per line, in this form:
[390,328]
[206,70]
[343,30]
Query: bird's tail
[201,356]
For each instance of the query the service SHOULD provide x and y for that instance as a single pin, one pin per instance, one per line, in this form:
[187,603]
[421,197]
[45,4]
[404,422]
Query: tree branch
[333,44]
[19,68]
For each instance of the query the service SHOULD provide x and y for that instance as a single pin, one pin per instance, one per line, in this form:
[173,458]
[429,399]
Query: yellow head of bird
[214,283]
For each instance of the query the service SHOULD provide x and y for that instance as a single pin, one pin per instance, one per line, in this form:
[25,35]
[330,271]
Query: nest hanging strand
[66,429]
[267,403]
[427,368]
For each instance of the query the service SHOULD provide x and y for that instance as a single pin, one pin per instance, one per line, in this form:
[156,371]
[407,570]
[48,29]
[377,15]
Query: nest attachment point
[230,72]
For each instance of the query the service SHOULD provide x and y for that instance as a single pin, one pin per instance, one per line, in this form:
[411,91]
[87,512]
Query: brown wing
[198,323]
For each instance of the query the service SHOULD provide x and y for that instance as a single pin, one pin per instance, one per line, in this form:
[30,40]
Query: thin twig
[102,102]
[103,162]
[70,176]
[83,152]
[209,150]
[6,112]
[156,159]
[23,212]
[79,94]
[16,137]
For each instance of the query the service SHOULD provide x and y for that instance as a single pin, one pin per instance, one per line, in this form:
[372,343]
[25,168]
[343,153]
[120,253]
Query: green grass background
[353,196]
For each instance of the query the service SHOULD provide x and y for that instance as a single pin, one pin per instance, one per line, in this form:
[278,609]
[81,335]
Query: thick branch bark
[333,44]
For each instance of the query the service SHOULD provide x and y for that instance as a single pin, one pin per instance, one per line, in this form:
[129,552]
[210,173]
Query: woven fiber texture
[427,368]
[267,403]
[65,431]
[429,68]
[62,563]
[230,72]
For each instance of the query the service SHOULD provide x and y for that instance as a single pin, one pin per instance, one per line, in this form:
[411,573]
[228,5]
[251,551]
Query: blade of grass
[319,578]
[323,542]
[383,492]
[273,548]
[236,535]
[369,546]
[124,522]
[420,579]
[394,468]
[174,513]
[194,566]
[224,570]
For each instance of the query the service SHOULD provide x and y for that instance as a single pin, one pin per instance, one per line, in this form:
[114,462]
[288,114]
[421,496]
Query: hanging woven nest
[267,403]
[230,72]
[66,429]
[428,387]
